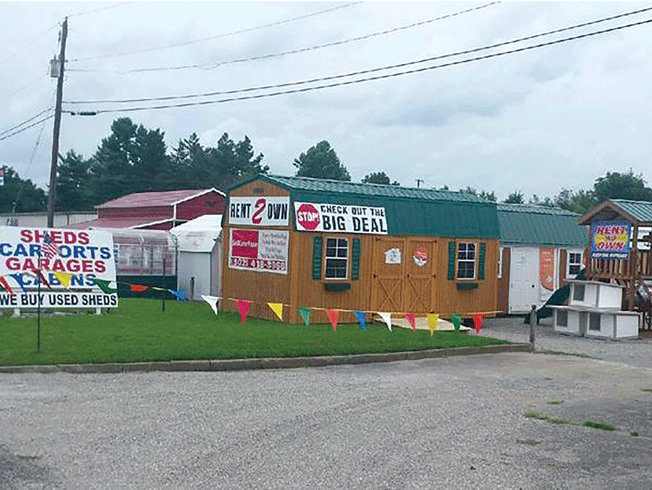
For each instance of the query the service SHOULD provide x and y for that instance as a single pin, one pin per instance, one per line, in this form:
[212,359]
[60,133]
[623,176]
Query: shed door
[388,274]
[524,279]
[420,277]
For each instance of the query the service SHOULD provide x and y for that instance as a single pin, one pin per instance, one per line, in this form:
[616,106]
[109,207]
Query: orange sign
[547,268]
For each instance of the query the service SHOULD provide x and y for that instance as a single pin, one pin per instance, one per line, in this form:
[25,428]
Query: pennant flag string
[333,316]
[387,318]
[433,320]
[410,319]
[278,309]
[362,319]
[243,307]
[305,314]
[64,278]
[5,285]
[477,321]
[212,301]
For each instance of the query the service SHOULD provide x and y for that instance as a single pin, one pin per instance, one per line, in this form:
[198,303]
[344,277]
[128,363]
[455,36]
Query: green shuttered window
[451,260]
[355,259]
[316,257]
[481,255]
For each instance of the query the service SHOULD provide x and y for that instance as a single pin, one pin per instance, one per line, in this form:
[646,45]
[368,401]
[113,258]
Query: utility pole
[52,192]
[418,182]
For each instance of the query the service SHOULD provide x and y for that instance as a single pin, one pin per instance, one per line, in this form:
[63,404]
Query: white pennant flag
[387,318]
[211,300]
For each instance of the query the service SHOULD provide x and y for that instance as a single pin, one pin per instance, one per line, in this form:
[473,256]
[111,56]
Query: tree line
[135,159]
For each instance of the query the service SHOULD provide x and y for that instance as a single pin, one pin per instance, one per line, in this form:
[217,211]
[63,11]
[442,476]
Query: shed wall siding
[155,213]
[210,203]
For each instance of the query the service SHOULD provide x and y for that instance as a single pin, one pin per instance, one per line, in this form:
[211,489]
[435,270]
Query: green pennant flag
[456,320]
[305,314]
[104,286]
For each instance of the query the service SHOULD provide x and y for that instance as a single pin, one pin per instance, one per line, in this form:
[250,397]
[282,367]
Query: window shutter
[451,260]
[316,258]
[355,259]
[483,246]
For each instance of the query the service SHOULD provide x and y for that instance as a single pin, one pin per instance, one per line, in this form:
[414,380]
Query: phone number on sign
[258,264]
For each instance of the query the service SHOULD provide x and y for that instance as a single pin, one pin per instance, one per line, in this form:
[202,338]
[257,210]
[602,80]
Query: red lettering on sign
[257,218]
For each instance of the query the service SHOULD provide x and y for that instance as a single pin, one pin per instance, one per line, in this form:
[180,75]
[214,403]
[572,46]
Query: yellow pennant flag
[433,320]
[64,278]
[278,309]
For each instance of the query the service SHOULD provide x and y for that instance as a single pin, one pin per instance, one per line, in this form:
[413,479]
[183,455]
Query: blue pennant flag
[362,319]
[179,295]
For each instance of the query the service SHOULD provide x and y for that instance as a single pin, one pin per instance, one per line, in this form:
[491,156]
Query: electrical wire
[28,84]
[313,48]
[233,33]
[362,72]
[378,77]
[30,44]
[88,12]
[26,127]
[26,121]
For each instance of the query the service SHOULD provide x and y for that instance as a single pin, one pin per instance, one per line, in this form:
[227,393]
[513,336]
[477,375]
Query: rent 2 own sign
[340,218]
[78,255]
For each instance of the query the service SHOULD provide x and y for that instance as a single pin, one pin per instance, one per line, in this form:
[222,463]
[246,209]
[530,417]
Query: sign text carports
[340,218]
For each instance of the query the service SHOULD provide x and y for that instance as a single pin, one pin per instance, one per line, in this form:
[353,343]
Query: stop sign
[308,217]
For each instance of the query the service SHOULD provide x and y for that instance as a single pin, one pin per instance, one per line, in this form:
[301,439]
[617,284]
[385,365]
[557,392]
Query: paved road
[436,423]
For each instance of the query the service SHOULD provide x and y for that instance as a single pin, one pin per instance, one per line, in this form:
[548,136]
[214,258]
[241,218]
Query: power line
[233,33]
[26,121]
[378,77]
[28,84]
[313,48]
[30,44]
[363,72]
[26,127]
[88,12]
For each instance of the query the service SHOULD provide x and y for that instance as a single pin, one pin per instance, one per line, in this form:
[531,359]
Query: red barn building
[156,210]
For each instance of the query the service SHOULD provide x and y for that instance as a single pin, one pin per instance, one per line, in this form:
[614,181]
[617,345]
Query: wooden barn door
[420,268]
[388,274]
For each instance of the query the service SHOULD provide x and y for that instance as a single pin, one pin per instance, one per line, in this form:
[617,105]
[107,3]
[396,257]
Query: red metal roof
[115,223]
[150,199]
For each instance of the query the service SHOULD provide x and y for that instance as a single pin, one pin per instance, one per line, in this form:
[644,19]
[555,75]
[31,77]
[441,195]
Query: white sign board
[259,211]
[340,218]
[76,257]
[259,250]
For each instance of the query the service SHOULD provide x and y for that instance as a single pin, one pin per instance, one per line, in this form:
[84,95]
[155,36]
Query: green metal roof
[528,224]
[409,211]
[640,210]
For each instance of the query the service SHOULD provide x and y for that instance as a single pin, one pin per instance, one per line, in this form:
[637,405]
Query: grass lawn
[139,331]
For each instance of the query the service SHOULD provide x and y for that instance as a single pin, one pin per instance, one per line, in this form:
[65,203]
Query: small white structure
[595,311]
[200,256]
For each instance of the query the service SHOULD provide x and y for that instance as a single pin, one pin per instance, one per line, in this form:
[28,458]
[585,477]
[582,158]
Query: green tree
[20,195]
[515,197]
[73,174]
[131,159]
[378,178]
[578,202]
[615,185]
[321,162]
[489,196]
[220,167]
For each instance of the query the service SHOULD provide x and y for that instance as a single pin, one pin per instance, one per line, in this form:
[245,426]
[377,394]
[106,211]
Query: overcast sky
[535,121]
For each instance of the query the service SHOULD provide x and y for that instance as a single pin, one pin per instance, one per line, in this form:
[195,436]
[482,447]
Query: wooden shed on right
[540,247]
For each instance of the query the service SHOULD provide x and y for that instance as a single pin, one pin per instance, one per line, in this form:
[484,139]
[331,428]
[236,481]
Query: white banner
[340,218]
[58,299]
[259,250]
[68,261]
[259,211]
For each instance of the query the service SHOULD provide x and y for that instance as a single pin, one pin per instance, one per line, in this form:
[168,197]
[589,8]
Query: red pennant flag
[5,285]
[332,316]
[138,288]
[410,319]
[477,321]
[243,306]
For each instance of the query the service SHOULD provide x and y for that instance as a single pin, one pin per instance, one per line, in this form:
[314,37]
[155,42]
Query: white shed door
[524,279]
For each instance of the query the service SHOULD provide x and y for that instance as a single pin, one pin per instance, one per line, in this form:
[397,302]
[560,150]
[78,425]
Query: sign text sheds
[340,218]
[259,211]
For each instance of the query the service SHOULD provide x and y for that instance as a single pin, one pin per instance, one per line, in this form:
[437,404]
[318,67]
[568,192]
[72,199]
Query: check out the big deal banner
[340,218]
[259,250]
[76,257]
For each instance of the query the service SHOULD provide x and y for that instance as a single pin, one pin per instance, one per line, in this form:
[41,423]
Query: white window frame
[337,257]
[458,259]
[568,262]
[500,262]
